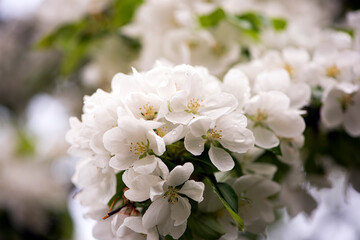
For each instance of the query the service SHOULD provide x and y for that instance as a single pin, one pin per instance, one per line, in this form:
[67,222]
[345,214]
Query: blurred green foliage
[250,23]
[77,39]
[25,144]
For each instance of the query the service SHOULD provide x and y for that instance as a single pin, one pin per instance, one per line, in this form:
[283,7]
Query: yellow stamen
[194,105]
[332,71]
[290,70]
[162,131]
[172,195]
[213,134]
[138,148]
[148,112]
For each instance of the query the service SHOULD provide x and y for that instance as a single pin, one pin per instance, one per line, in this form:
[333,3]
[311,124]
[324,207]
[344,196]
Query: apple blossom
[169,210]
[229,130]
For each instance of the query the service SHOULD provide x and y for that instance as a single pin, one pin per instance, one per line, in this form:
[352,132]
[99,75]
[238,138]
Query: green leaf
[349,31]
[25,144]
[168,237]
[123,12]
[212,19]
[239,222]
[77,40]
[237,170]
[253,21]
[229,195]
[120,185]
[187,235]
[279,24]
[205,226]
[276,150]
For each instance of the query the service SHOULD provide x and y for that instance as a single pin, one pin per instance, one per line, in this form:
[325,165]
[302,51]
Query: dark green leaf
[205,226]
[276,150]
[168,237]
[229,195]
[212,19]
[187,235]
[120,185]
[237,170]
[239,222]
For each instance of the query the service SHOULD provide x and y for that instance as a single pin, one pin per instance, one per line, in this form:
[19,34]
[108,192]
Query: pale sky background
[17,9]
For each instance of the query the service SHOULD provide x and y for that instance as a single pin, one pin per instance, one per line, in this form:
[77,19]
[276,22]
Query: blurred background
[52,53]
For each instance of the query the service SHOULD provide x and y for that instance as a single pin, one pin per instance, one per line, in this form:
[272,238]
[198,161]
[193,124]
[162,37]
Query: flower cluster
[149,146]
[177,151]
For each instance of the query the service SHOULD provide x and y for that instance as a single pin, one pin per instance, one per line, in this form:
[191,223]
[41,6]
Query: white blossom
[169,210]
[229,130]
[341,105]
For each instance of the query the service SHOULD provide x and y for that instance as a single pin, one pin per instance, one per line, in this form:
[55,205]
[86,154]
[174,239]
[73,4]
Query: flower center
[218,49]
[148,112]
[260,116]
[194,105]
[346,100]
[332,71]
[213,134]
[172,195]
[139,148]
[290,70]
[162,131]
[192,45]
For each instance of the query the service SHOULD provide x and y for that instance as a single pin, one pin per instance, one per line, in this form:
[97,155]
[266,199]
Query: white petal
[236,83]
[217,105]
[177,231]
[157,190]
[331,112]
[135,224]
[266,211]
[168,228]
[122,84]
[139,189]
[193,144]
[180,211]
[200,125]
[178,101]
[146,165]
[352,120]
[263,189]
[242,184]
[179,117]
[300,95]
[240,140]
[175,134]
[180,174]
[119,162]
[276,79]
[262,169]
[157,144]
[221,159]
[152,234]
[193,190]
[112,139]
[287,125]
[157,213]
[264,138]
